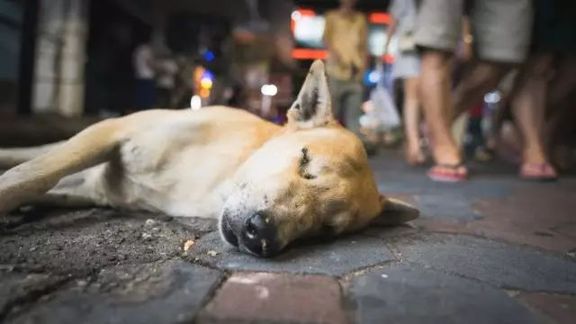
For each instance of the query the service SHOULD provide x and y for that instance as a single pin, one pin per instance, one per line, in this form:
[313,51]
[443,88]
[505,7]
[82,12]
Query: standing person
[528,103]
[553,41]
[144,69]
[407,67]
[501,34]
[345,37]
[166,81]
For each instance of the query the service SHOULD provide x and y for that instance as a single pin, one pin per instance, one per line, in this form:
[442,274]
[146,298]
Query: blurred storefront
[11,21]
[74,57]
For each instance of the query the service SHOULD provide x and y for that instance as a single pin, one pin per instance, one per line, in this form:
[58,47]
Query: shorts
[406,65]
[501,28]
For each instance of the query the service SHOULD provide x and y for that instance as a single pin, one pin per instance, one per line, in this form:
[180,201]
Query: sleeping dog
[267,185]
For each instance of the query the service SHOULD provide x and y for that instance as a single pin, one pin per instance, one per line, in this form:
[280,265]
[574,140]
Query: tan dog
[268,185]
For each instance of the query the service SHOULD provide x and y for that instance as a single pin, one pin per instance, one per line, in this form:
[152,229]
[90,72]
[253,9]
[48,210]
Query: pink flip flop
[538,172]
[448,173]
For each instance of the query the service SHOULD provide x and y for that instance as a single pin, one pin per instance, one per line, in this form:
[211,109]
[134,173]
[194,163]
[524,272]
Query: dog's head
[311,179]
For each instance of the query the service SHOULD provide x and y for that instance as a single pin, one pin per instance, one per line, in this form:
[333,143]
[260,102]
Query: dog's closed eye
[304,162]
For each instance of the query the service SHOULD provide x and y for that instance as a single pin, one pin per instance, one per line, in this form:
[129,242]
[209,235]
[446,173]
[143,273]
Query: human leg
[437,33]
[437,103]
[414,154]
[336,93]
[352,106]
[482,77]
[561,113]
[528,108]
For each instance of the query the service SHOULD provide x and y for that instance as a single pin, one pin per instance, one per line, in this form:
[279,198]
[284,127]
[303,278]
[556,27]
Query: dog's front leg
[31,179]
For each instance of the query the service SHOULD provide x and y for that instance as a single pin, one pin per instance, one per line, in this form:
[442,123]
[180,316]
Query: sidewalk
[492,250]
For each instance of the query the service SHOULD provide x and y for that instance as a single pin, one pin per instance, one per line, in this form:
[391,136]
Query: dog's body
[179,162]
[268,184]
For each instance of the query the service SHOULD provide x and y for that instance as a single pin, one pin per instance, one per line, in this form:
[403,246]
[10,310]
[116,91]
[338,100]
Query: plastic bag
[383,108]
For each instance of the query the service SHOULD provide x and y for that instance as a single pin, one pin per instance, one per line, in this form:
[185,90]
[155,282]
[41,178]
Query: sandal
[538,172]
[448,173]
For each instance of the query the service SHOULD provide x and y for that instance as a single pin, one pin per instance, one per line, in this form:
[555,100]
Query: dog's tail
[10,157]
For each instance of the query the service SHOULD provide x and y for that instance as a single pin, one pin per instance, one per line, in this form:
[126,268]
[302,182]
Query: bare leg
[528,107]
[414,154]
[436,100]
[563,84]
[481,78]
[561,112]
[561,126]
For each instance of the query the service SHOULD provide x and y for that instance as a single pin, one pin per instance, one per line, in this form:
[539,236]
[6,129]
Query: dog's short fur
[268,185]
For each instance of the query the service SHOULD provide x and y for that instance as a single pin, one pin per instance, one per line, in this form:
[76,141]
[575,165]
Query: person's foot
[414,155]
[448,173]
[448,154]
[538,172]
[448,165]
[535,165]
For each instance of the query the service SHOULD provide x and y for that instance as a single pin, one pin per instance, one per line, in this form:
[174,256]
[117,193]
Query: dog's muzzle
[256,235]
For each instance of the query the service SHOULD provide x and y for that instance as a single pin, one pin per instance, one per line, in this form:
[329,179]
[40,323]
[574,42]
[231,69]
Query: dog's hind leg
[10,157]
[31,179]
[74,191]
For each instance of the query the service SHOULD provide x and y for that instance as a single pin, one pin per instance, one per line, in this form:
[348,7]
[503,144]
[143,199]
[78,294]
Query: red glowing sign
[308,26]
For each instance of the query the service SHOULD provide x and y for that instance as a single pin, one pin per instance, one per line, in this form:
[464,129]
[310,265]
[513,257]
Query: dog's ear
[312,107]
[395,212]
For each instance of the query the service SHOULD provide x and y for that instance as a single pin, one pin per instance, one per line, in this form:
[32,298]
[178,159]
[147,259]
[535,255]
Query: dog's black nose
[259,226]
[260,234]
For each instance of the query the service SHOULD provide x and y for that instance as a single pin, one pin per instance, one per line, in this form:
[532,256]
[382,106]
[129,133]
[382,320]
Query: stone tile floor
[492,250]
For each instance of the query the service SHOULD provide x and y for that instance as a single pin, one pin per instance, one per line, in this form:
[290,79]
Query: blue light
[372,77]
[208,56]
[208,75]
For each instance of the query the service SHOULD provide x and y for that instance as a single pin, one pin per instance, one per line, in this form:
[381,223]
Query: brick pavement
[493,250]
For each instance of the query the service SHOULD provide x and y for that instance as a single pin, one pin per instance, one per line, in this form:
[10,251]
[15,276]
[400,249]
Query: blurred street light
[296,15]
[492,97]
[195,102]
[269,90]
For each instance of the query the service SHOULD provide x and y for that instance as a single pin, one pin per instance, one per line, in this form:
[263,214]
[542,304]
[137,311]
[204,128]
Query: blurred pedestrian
[547,82]
[184,81]
[345,37]
[406,67]
[166,80]
[144,67]
[555,27]
[528,104]
[501,35]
